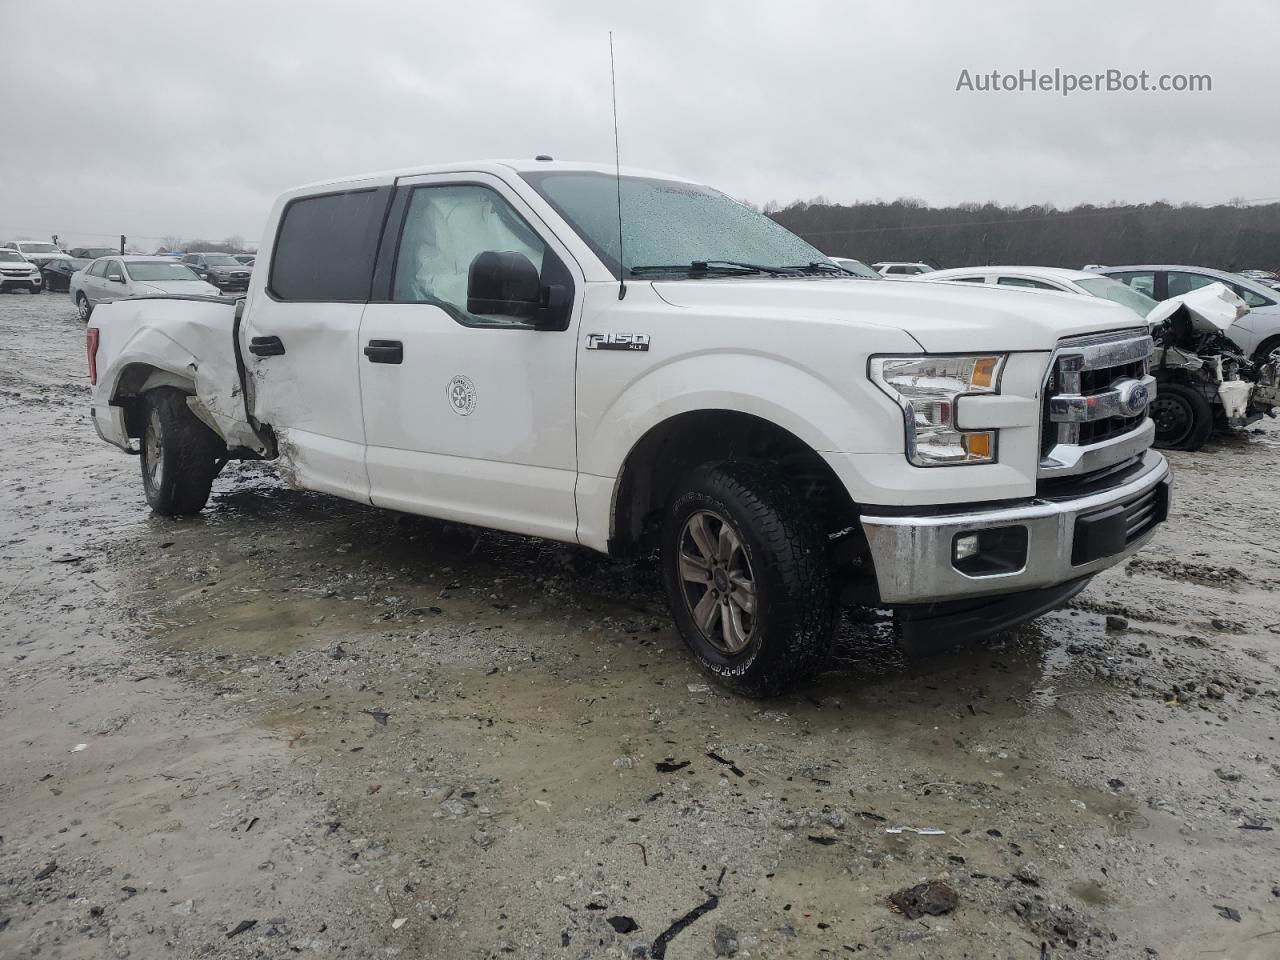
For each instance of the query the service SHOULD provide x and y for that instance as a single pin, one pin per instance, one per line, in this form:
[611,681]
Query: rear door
[300,335]
[469,416]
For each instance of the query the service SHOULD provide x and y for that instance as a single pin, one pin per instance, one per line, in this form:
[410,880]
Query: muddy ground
[295,726]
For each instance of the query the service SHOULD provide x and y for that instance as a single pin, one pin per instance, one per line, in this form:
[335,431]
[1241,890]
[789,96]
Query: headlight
[926,388]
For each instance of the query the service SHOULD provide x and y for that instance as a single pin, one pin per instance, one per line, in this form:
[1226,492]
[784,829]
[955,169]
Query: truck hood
[942,318]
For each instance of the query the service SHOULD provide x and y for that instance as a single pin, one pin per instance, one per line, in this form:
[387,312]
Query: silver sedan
[121,278]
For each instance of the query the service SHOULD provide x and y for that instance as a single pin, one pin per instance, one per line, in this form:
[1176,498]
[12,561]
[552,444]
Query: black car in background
[57,272]
[92,253]
[221,269]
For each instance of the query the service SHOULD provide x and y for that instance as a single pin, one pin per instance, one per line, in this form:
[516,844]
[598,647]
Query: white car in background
[17,272]
[1050,278]
[37,251]
[123,278]
[901,270]
[855,268]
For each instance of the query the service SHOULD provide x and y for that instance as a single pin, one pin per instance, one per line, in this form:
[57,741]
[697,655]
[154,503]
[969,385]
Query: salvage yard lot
[293,726]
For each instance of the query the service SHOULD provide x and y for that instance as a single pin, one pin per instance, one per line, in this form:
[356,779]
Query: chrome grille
[1095,403]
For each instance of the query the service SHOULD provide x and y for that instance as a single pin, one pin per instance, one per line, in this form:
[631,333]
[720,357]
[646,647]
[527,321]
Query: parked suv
[484,344]
[899,270]
[220,269]
[37,251]
[18,273]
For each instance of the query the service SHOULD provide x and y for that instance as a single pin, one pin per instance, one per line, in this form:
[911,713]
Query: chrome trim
[913,554]
[1116,402]
[1070,459]
[1072,358]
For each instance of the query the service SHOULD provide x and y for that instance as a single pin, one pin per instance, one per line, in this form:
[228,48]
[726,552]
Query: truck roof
[497,167]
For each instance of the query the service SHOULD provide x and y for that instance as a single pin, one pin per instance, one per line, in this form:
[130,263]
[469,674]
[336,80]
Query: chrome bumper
[914,555]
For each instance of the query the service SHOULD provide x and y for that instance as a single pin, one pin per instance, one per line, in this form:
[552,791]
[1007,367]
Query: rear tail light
[91,344]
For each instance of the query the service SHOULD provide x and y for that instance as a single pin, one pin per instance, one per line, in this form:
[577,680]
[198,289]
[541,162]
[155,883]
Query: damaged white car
[1205,379]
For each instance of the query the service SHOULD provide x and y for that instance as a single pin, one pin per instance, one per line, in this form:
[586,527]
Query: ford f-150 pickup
[482,342]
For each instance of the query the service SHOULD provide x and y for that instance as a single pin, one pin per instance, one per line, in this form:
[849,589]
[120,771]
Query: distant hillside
[1229,237]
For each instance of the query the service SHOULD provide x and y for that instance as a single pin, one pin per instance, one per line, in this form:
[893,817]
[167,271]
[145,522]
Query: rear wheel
[1183,417]
[84,307]
[746,573]
[180,455]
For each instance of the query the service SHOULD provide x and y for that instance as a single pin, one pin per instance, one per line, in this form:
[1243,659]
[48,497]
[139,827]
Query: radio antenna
[617,168]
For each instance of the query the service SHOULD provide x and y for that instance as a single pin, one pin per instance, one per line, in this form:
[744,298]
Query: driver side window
[445,229]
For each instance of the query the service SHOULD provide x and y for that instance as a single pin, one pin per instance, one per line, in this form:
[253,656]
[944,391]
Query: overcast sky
[181,118]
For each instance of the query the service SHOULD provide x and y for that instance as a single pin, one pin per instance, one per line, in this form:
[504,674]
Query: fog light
[991,552]
[966,546]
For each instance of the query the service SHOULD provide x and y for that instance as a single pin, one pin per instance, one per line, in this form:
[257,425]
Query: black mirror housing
[506,284]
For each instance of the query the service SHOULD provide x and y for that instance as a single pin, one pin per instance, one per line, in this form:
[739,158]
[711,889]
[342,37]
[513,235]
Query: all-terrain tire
[790,631]
[179,454]
[1183,417]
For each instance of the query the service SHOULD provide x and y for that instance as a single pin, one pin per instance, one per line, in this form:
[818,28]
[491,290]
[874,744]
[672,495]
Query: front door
[469,408]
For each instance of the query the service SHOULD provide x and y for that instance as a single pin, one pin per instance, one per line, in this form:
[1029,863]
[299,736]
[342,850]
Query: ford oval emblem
[1133,396]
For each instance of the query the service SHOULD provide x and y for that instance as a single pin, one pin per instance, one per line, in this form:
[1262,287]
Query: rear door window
[1144,281]
[326,246]
[1181,282]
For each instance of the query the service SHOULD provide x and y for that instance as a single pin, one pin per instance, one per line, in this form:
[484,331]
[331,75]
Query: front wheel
[1183,417]
[180,455]
[745,568]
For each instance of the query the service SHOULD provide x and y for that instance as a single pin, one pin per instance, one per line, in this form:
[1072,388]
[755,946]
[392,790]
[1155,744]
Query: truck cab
[488,343]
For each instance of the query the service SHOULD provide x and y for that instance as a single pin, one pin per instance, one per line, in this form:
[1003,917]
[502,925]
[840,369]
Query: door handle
[385,351]
[266,347]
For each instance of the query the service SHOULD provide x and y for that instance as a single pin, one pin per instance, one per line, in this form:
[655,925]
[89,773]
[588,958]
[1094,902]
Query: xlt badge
[617,341]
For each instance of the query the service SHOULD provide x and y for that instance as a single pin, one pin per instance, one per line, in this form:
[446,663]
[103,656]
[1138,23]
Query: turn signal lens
[984,373]
[978,445]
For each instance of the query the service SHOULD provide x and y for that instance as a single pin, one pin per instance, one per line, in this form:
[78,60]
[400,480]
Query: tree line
[1225,236]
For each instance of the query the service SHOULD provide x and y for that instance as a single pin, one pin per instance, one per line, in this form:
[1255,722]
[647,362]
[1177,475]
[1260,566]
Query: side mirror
[115,277]
[505,284]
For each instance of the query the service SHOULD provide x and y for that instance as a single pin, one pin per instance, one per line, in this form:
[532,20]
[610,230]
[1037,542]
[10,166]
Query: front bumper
[30,280]
[1063,540]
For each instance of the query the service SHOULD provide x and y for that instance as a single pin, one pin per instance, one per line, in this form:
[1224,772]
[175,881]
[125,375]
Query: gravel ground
[295,726]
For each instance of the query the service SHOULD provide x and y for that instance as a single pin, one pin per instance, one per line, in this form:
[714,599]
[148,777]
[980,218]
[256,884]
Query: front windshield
[26,247]
[223,261]
[1118,292]
[857,268]
[667,223]
[10,255]
[152,270]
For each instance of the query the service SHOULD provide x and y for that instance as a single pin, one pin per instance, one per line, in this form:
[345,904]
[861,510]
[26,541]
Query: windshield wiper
[819,266]
[722,267]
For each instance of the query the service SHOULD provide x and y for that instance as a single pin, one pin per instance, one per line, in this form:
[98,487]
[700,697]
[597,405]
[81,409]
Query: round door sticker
[462,395]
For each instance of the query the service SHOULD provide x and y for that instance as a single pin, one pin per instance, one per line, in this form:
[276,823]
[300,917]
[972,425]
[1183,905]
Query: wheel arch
[670,448]
[135,380]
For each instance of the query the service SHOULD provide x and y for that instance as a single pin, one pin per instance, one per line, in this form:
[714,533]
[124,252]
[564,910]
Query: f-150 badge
[617,341]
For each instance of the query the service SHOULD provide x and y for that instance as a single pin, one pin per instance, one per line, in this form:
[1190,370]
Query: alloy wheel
[718,585]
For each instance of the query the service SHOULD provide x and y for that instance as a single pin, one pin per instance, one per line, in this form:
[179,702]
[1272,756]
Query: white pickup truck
[480,342]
